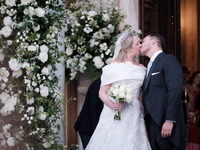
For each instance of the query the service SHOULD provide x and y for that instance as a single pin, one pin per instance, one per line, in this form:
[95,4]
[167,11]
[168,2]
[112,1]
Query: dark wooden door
[162,17]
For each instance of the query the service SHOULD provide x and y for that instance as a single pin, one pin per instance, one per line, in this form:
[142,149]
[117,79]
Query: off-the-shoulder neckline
[127,62]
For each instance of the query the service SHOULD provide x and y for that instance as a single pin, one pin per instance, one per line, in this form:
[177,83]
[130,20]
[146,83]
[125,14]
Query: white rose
[6,31]
[37,90]
[69,51]
[50,78]
[26,12]
[45,71]
[42,116]
[122,88]
[3,86]
[13,100]
[36,28]
[129,98]
[17,73]
[46,144]
[25,2]
[103,46]
[4,96]
[11,141]
[3,8]
[106,17]
[30,110]
[92,13]
[6,127]
[98,62]
[6,110]
[31,11]
[108,52]
[7,21]
[88,56]
[25,65]
[115,92]
[14,64]
[34,84]
[41,109]
[11,3]
[44,48]
[4,72]
[30,101]
[44,91]
[43,57]
[9,42]
[108,61]
[111,28]
[39,12]
[32,48]
[121,94]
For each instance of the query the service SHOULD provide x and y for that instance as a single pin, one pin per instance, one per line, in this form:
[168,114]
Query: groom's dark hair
[160,40]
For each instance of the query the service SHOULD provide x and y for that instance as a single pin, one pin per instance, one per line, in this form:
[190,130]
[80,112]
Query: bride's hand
[117,106]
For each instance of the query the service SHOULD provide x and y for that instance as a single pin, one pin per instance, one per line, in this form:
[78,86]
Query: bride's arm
[140,99]
[104,97]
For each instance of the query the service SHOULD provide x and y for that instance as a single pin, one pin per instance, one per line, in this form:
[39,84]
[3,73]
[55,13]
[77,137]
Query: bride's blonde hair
[127,44]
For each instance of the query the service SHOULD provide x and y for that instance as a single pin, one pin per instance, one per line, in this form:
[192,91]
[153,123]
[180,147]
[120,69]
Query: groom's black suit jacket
[162,91]
[91,110]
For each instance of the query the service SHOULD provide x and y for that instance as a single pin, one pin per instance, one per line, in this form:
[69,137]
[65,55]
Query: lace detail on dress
[127,134]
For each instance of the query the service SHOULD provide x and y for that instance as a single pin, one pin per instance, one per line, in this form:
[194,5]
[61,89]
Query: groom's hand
[167,129]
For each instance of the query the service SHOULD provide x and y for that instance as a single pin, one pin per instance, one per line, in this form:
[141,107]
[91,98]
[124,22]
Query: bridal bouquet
[120,93]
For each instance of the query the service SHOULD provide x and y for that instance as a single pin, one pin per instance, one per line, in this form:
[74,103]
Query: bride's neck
[129,59]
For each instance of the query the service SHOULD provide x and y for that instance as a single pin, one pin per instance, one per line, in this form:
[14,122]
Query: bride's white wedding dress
[128,133]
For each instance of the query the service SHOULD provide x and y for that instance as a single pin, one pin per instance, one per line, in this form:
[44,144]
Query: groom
[162,90]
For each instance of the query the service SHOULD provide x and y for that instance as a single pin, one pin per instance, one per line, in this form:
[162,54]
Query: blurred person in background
[192,86]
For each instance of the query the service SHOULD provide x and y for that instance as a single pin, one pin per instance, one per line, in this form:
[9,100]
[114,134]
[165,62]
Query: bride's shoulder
[138,64]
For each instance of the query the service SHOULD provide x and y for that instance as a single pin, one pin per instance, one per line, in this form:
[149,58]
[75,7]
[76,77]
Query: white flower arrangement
[29,30]
[91,31]
[28,55]
[120,93]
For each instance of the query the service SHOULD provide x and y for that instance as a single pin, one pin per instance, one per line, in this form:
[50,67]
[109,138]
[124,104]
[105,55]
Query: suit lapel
[151,70]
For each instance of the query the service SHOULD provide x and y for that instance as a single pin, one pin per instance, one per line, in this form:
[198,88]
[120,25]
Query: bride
[129,133]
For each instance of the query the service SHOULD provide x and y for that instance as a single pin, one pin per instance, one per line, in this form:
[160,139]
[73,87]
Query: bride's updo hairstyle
[124,42]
